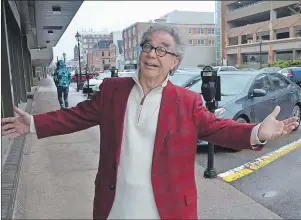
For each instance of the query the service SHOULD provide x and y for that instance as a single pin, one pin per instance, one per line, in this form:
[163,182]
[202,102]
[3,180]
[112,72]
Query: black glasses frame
[152,47]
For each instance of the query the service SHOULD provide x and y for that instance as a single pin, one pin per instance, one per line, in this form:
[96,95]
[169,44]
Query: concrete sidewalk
[57,176]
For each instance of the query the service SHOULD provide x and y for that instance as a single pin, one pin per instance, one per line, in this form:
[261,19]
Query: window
[190,42]
[262,82]
[211,42]
[231,68]
[103,62]
[227,82]
[211,31]
[189,30]
[200,30]
[90,40]
[279,81]
[103,53]
[200,42]
[85,40]
[109,53]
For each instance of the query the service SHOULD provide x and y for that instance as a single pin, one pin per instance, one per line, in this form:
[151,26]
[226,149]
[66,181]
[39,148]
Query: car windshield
[179,79]
[230,84]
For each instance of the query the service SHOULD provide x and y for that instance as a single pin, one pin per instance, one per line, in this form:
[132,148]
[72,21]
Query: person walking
[149,131]
[62,80]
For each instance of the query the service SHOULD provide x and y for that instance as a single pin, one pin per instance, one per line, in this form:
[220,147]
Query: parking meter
[211,89]
[211,92]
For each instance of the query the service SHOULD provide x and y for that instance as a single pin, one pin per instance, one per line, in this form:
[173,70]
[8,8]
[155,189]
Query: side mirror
[259,93]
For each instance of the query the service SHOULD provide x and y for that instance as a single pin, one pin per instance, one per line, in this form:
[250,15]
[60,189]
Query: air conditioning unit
[250,41]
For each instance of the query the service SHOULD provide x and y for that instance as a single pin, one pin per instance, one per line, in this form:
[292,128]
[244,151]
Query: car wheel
[297,113]
[241,120]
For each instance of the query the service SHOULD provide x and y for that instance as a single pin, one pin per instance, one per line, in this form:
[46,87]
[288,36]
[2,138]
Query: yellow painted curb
[258,163]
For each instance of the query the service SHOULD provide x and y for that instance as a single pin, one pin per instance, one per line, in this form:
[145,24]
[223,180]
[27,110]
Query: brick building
[100,55]
[244,24]
[197,30]
[88,41]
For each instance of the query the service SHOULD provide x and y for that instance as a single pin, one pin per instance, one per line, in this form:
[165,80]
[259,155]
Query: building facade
[75,53]
[200,36]
[248,27]
[88,39]
[100,56]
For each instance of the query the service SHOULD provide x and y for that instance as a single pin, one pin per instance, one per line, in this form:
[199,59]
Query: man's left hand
[272,129]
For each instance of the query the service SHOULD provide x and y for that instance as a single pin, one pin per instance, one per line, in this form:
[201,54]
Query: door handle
[292,92]
[274,99]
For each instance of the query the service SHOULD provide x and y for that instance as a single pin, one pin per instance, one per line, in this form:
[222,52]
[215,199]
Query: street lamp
[64,55]
[260,44]
[77,36]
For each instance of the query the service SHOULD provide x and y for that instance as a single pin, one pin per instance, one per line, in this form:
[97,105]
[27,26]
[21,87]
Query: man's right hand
[17,126]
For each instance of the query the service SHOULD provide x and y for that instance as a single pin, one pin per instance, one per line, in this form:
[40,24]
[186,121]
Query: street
[276,186]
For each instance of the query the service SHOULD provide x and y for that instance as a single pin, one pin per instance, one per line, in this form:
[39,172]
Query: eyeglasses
[160,51]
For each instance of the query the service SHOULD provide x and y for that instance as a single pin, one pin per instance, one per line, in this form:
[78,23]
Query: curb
[11,170]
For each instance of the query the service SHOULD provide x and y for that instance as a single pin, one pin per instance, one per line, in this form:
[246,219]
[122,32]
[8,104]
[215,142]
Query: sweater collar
[136,79]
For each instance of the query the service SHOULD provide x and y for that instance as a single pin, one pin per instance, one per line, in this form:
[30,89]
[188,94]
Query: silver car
[249,96]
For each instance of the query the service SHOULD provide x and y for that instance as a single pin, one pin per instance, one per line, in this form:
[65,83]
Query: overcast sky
[117,15]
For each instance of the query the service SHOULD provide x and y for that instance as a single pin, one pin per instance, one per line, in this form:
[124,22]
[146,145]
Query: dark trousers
[63,92]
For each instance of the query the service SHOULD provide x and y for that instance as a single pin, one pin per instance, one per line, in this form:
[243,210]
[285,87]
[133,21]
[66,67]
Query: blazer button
[114,165]
[112,187]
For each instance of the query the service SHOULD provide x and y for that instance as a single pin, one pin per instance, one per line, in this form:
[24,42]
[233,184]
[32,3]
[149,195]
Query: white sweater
[134,198]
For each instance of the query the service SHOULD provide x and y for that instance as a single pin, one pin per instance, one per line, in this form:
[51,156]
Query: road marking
[258,163]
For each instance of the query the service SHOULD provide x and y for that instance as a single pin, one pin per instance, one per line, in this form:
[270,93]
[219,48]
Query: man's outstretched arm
[224,132]
[84,115]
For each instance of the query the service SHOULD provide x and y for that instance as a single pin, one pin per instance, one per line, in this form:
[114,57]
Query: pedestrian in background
[62,80]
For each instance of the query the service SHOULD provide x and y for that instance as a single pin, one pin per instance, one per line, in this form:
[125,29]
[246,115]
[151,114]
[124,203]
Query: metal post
[260,55]
[64,55]
[77,36]
[211,94]
[80,68]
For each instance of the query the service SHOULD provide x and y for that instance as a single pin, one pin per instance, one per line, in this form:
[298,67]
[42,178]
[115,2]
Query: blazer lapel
[120,98]
[169,106]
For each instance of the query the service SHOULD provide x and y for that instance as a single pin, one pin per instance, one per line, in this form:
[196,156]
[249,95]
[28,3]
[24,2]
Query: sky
[117,15]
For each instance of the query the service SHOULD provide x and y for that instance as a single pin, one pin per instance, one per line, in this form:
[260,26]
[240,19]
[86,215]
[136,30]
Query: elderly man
[149,132]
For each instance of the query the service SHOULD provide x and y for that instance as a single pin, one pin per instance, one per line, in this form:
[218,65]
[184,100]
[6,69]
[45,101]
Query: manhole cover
[269,194]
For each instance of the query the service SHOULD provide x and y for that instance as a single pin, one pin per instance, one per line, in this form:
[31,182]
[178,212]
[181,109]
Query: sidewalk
[57,176]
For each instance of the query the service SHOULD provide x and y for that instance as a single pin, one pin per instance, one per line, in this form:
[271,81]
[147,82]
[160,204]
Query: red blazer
[182,119]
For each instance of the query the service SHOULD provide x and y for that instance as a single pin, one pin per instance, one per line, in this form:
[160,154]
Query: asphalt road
[275,186]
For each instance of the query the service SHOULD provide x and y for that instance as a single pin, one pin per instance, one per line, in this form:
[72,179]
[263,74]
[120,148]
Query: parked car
[84,77]
[126,73]
[95,83]
[192,69]
[184,78]
[224,68]
[249,96]
[271,69]
[247,69]
[293,73]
